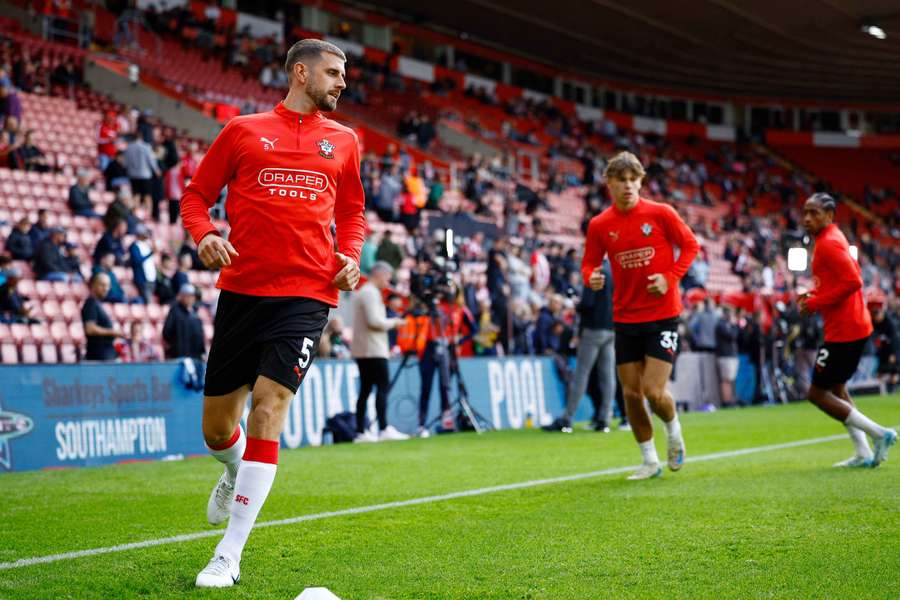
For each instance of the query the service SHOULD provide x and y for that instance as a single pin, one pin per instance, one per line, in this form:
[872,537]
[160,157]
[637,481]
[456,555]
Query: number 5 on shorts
[305,356]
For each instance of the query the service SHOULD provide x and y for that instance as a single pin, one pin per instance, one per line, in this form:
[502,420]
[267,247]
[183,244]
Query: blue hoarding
[54,416]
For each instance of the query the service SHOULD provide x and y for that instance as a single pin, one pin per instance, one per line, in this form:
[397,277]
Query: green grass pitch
[774,524]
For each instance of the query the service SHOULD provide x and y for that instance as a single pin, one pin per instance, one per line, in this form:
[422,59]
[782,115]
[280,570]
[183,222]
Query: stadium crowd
[518,289]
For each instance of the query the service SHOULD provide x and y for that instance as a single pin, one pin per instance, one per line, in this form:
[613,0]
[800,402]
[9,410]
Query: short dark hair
[826,200]
[310,48]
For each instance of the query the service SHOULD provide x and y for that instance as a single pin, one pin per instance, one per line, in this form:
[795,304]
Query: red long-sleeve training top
[838,294]
[640,243]
[288,175]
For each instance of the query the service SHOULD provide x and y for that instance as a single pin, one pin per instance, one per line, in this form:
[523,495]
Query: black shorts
[658,339]
[257,335]
[836,362]
[141,187]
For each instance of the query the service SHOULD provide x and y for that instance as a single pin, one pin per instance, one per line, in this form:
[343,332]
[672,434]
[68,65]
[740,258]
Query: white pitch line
[189,537]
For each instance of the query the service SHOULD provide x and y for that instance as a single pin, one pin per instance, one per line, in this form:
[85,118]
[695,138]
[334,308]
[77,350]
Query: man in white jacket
[371,351]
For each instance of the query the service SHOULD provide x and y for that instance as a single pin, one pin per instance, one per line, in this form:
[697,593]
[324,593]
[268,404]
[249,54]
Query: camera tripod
[479,422]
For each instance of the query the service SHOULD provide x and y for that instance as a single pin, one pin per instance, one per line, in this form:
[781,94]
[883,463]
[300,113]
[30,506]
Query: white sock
[232,453]
[251,488]
[860,443]
[861,421]
[673,427]
[254,480]
[648,452]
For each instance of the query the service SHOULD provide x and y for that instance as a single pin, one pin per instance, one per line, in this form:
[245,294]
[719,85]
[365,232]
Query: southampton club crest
[326,148]
[646,228]
[12,425]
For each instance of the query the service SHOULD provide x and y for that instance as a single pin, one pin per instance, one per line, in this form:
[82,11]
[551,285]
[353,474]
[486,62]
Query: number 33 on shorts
[669,340]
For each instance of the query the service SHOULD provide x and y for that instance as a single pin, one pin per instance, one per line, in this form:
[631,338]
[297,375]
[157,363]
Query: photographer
[436,296]
[370,350]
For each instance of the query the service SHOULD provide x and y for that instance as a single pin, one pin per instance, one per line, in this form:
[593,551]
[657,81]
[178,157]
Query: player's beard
[322,99]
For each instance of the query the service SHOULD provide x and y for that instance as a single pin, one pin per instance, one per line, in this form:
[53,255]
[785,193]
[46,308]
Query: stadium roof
[791,49]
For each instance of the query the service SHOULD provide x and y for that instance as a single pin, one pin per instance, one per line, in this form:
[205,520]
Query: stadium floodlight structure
[875,31]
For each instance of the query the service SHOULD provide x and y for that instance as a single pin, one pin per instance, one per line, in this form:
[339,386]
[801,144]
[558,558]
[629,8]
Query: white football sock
[860,443]
[861,421]
[648,452]
[231,454]
[673,427]
[254,480]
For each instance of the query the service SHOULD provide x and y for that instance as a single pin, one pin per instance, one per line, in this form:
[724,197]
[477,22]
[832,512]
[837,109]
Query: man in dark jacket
[183,331]
[18,244]
[111,242]
[79,201]
[53,261]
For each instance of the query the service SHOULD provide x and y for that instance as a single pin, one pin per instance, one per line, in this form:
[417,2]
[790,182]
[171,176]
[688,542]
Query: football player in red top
[640,235]
[838,297]
[289,172]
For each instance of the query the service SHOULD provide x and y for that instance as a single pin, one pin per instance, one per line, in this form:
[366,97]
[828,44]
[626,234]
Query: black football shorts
[256,335]
[836,362]
[658,339]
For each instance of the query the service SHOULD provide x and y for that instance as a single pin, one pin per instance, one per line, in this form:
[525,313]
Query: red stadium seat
[76,332]
[68,353]
[8,353]
[30,353]
[70,310]
[43,289]
[20,332]
[120,311]
[49,353]
[59,331]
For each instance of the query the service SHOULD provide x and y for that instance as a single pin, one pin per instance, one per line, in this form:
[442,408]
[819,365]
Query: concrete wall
[170,110]
[466,144]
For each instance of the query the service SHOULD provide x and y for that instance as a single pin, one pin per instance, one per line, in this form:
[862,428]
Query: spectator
[9,157]
[180,276]
[32,158]
[98,327]
[727,332]
[388,251]
[335,343]
[142,166]
[142,263]
[121,209]
[79,201]
[41,229]
[884,336]
[111,241]
[367,256]
[10,104]
[544,338]
[14,307]
[596,350]
[116,294]
[703,327]
[486,339]
[136,348]
[394,310]
[115,173]
[106,140]
[370,350]
[163,289]
[18,244]
[183,331]
[389,190]
[54,261]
